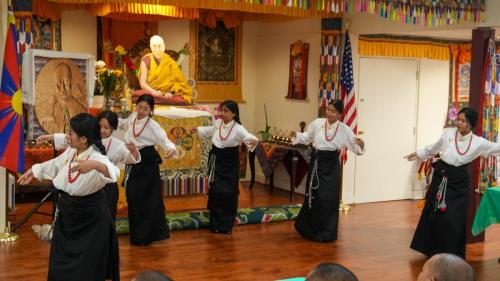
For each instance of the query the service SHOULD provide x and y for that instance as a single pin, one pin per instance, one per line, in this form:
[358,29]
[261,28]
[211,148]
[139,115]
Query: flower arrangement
[121,57]
[108,80]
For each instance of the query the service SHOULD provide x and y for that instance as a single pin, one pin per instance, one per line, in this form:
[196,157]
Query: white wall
[175,33]
[79,32]
[272,67]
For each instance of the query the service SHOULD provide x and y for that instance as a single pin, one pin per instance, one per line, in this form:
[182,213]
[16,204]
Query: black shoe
[216,231]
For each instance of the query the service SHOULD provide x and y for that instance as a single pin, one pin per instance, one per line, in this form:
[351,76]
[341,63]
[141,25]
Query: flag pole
[342,206]
[5,234]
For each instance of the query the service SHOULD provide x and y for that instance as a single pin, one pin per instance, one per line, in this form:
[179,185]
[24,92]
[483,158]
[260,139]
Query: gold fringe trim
[405,49]
[235,5]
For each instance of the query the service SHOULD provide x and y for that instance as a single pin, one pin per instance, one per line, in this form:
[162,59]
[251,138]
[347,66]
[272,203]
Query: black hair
[233,107]
[148,99]
[331,272]
[86,125]
[150,275]
[471,116]
[111,117]
[337,104]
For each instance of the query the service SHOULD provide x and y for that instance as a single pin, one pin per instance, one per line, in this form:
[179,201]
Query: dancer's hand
[26,178]
[44,138]
[359,142]
[411,157]
[253,142]
[83,166]
[169,154]
[131,147]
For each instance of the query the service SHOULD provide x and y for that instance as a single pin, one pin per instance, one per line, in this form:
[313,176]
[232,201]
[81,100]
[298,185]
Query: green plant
[265,134]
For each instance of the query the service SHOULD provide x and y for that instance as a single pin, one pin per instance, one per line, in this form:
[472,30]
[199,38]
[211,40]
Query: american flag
[347,94]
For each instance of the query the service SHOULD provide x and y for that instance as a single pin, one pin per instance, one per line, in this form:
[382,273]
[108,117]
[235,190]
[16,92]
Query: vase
[108,101]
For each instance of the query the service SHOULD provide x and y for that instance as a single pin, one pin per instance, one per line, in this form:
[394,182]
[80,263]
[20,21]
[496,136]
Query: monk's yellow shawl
[166,76]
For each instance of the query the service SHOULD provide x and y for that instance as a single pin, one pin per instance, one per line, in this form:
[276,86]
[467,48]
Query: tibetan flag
[11,123]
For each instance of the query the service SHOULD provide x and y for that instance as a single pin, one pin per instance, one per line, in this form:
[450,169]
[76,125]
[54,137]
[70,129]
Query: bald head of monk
[157,46]
[446,267]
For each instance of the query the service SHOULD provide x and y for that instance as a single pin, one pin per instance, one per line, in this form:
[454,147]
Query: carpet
[200,219]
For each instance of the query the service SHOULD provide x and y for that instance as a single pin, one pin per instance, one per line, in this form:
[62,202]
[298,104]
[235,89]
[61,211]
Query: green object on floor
[488,212]
[200,219]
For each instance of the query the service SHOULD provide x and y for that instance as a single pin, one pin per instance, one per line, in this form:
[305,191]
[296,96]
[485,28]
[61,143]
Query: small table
[269,155]
[488,212]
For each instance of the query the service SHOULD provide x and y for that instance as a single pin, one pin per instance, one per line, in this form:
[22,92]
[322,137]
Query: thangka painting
[216,54]
[460,77]
[215,62]
[297,83]
[463,82]
[490,117]
[46,34]
[38,33]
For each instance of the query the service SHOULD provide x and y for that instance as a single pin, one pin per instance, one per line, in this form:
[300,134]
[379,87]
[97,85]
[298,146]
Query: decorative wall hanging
[491,108]
[216,62]
[191,8]
[460,78]
[46,33]
[421,12]
[401,46]
[329,62]
[297,82]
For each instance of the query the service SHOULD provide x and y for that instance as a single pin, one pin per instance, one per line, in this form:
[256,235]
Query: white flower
[100,64]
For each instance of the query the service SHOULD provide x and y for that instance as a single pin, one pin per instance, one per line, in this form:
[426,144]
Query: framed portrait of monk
[215,62]
[56,87]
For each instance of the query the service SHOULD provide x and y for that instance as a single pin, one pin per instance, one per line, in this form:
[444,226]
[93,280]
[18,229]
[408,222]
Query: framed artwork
[297,82]
[215,62]
[56,86]
[463,82]
[46,34]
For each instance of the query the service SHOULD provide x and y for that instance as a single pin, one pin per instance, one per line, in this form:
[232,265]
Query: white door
[386,122]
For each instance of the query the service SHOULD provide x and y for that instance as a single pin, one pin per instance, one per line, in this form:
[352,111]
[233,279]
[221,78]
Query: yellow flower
[99,71]
[120,50]
[117,72]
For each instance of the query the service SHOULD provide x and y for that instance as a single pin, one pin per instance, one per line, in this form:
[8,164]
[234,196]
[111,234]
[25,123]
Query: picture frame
[215,62]
[297,82]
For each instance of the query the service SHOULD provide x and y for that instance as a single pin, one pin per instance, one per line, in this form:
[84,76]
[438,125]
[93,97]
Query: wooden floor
[373,243]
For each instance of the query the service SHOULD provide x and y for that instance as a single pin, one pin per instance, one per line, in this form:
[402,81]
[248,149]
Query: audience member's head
[446,267]
[150,275]
[331,272]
